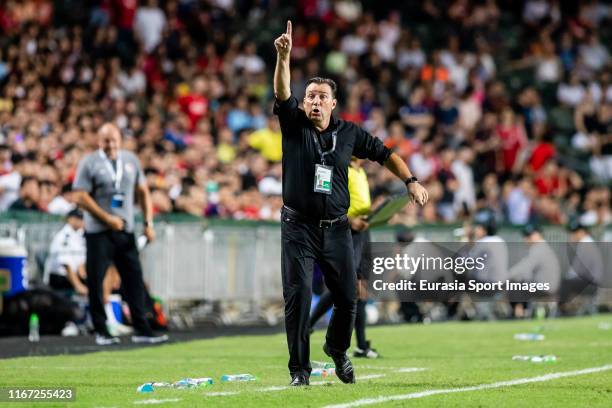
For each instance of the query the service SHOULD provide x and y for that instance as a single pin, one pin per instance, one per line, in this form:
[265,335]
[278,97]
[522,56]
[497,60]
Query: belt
[319,223]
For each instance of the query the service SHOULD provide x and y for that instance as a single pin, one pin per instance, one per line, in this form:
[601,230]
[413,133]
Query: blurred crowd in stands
[493,103]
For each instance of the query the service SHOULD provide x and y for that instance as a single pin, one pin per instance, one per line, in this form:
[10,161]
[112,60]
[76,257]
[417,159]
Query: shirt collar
[333,121]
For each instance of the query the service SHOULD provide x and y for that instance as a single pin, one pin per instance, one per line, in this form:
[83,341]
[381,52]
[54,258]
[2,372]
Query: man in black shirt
[317,150]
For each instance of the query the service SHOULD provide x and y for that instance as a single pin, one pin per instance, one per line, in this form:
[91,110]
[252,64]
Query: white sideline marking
[410,370]
[396,369]
[286,387]
[273,388]
[157,401]
[370,376]
[221,393]
[509,383]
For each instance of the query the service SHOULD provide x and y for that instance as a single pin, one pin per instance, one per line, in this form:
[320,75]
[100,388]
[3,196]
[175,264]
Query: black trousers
[332,249]
[361,241]
[119,248]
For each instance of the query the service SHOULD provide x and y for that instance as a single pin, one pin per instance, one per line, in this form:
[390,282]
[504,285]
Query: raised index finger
[289,28]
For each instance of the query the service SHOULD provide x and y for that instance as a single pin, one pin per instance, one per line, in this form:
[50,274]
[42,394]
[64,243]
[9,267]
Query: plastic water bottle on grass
[321,364]
[529,337]
[34,335]
[536,359]
[237,377]
[193,382]
[544,359]
[152,386]
[322,372]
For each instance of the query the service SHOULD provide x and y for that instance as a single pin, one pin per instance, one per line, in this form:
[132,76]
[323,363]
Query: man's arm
[397,166]
[86,202]
[75,281]
[282,77]
[144,197]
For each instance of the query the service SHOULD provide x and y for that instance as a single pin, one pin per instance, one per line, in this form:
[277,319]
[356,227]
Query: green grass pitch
[453,355]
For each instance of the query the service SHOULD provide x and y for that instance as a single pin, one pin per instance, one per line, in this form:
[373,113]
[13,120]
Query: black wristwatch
[411,180]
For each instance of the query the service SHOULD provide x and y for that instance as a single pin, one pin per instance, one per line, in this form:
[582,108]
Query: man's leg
[297,263]
[99,254]
[339,271]
[128,265]
[360,325]
[360,243]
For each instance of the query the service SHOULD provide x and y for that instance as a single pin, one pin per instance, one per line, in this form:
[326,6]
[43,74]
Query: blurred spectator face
[576,236]
[76,223]
[527,186]
[550,169]
[466,155]
[417,96]
[200,86]
[489,121]
[533,237]
[5,155]
[507,117]
[273,124]
[30,190]
[109,140]
[479,232]
[226,135]
[319,102]
[447,157]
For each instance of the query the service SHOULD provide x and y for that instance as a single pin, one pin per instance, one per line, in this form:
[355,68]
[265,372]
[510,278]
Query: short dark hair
[321,80]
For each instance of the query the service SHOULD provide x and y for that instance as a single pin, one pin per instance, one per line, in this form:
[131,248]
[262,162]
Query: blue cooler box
[13,267]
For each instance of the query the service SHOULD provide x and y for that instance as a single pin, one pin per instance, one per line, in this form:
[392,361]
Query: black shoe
[105,339]
[344,367]
[299,380]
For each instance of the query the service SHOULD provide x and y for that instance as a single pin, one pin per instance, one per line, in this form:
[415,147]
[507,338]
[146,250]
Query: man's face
[31,190]
[109,140]
[479,232]
[576,236]
[5,155]
[319,103]
[76,223]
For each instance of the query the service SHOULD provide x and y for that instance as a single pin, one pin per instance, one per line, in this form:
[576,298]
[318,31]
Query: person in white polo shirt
[65,265]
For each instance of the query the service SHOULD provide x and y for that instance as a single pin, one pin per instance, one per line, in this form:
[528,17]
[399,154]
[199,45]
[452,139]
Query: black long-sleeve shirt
[300,155]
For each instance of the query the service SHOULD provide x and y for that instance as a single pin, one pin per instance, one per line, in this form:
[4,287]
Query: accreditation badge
[117,200]
[323,179]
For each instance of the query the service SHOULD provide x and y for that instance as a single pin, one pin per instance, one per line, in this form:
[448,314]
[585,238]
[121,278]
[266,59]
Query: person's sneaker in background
[365,353]
[70,329]
[118,329]
[106,339]
[149,338]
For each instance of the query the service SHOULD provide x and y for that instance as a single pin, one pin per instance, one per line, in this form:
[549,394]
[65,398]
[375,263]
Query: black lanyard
[330,151]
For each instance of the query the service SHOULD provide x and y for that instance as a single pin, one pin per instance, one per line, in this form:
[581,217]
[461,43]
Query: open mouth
[316,112]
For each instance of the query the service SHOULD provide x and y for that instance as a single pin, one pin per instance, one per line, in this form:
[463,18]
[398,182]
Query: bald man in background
[106,184]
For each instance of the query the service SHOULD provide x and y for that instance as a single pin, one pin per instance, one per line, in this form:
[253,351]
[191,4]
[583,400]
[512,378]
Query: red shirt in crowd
[153,72]
[541,154]
[195,106]
[513,141]
[547,185]
[126,12]
[356,117]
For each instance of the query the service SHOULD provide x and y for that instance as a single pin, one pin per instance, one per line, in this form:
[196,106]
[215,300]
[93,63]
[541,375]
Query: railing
[197,259]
